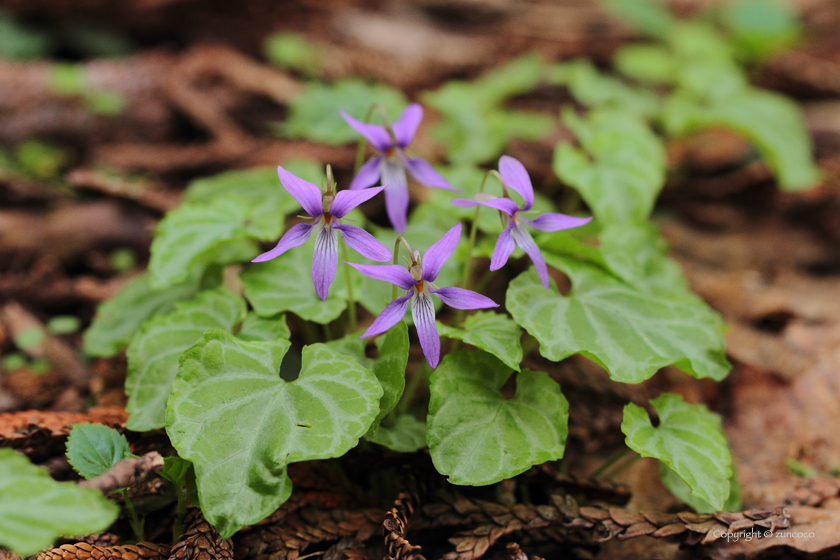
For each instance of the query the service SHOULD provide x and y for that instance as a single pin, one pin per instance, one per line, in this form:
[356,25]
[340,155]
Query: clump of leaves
[241,402]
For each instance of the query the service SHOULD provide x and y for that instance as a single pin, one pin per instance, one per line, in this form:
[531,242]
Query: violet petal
[390,316]
[516,177]
[504,247]
[437,254]
[554,221]
[364,243]
[459,298]
[325,260]
[307,194]
[506,205]
[423,312]
[391,273]
[406,126]
[425,174]
[346,200]
[373,133]
[368,175]
[526,242]
[396,192]
[295,237]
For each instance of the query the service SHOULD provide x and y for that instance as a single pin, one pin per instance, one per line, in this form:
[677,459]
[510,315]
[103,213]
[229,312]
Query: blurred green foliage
[292,50]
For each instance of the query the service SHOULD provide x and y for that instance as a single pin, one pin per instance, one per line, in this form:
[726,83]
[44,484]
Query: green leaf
[672,481]
[68,79]
[407,435]
[597,90]
[631,333]
[92,449]
[314,114]
[258,190]
[760,28]
[175,470]
[268,329]
[285,284]
[41,160]
[652,64]
[240,424]
[492,332]
[771,121]
[292,50]
[689,439]
[13,361]
[639,255]
[21,42]
[621,168]
[478,437]
[35,509]
[64,324]
[30,338]
[389,369]
[646,16]
[191,231]
[119,318]
[154,351]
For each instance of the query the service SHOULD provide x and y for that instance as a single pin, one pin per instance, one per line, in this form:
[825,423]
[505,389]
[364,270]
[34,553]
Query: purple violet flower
[418,281]
[391,163]
[516,177]
[330,206]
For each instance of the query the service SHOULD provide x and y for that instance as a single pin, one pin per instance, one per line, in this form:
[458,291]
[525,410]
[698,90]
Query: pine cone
[85,551]
[201,541]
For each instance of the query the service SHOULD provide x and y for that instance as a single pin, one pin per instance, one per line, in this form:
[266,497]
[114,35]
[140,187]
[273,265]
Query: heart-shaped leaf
[240,424]
[189,232]
[407,435]
[631,333]
[672,481]
[476,435]
[492,332]
[153,353]
[93,449]
[285,284]
[267,329]
[35,509]
[621,168]
[689,439]
[119,318]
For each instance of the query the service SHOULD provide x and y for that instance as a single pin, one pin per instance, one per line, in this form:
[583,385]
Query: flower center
[390,152]
[327,201]
[328,218]
[419,286]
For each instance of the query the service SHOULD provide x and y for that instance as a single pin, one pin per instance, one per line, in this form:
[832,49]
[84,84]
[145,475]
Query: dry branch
[126,473]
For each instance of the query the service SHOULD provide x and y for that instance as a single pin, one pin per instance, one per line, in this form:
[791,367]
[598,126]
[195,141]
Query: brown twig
[63,356]
[126,473]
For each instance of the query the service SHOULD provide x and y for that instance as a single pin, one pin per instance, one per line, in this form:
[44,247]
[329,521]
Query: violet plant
[207,362]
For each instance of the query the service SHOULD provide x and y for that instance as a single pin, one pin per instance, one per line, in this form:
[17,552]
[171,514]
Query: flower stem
[180,513]
[465,279]
[360,151]
[400,240]
[351,300]
[613,461]
[422,373]
[136,524]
